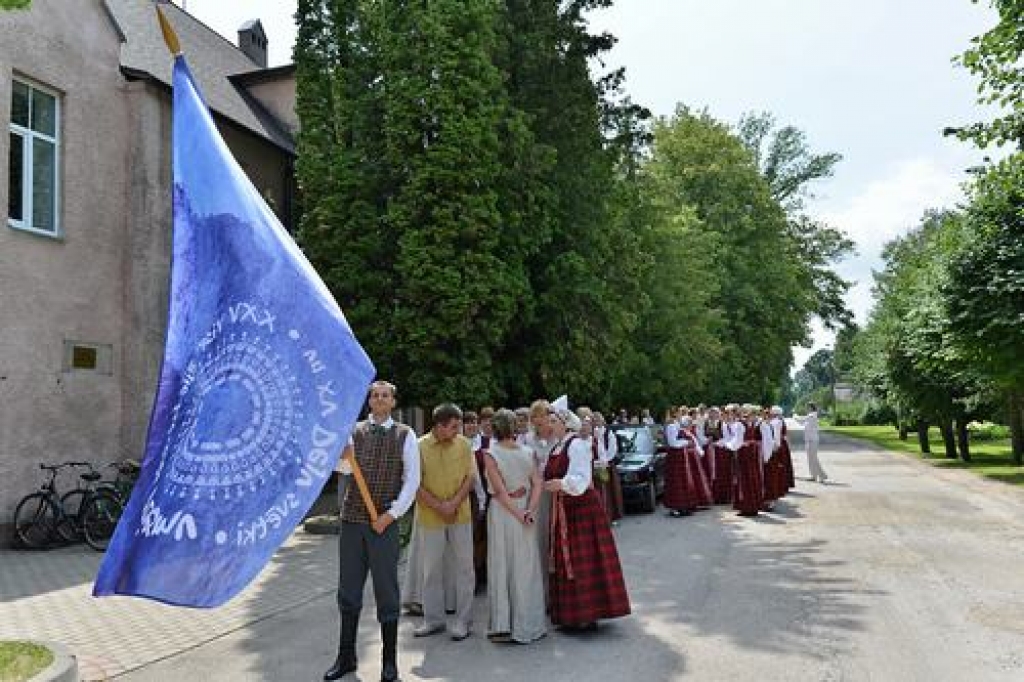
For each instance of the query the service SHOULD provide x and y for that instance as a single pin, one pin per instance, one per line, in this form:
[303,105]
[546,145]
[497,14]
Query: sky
[870,79]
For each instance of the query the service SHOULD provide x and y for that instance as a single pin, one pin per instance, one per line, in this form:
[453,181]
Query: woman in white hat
[586,583]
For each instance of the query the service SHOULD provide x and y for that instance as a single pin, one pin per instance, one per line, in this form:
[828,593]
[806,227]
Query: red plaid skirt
[748,493]
[586,582]
[721,485]
[787,462]
[685,485]
[776,483]
[611,493]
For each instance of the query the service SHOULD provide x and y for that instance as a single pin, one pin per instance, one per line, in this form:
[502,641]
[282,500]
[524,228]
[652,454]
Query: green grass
[20,661]
[990,459]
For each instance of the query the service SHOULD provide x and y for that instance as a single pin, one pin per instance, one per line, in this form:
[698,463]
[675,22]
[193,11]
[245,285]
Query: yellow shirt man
[444,467]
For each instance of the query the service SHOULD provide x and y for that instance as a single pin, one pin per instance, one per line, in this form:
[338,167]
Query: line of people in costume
[736,455]
[522,483]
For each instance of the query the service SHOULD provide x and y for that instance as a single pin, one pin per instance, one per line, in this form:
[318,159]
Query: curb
[64,667]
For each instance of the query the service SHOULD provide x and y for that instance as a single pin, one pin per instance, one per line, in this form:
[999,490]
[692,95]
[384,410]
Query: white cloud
[884,209]
[894,203]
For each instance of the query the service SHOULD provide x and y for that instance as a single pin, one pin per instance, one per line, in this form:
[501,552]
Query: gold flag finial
[170,37]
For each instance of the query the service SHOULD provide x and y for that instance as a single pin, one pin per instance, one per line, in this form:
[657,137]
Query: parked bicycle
[89,512]
[39,518]
[90,507]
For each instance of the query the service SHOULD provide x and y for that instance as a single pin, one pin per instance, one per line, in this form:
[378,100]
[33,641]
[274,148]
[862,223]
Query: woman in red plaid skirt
[586,583]
[782,443]
[748,494]
[725,448]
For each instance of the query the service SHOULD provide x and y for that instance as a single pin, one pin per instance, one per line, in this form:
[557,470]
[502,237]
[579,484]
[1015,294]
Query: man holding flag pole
[383,456]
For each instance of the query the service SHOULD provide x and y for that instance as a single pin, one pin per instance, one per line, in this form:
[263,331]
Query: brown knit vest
[380,459]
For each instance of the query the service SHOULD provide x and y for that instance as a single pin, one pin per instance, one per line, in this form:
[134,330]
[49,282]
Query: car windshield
[635,441]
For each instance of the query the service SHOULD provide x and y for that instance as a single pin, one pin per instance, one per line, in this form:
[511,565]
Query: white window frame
[28,137]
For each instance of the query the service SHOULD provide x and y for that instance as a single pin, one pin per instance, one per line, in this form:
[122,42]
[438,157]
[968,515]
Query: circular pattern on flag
[236,420]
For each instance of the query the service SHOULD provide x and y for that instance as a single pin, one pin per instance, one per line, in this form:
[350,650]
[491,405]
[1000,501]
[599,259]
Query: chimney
[252,41]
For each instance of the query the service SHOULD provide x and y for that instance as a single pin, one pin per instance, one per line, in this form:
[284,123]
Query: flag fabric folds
[261,382]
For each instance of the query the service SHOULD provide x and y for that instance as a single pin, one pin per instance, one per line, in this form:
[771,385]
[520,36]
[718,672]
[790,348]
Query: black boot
[389,664]
[346,661]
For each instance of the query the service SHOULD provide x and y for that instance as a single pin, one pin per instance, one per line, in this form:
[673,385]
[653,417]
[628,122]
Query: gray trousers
[435,543]
[362,550]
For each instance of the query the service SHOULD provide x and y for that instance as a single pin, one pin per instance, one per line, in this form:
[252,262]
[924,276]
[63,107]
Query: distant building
[84,252]
[844,392]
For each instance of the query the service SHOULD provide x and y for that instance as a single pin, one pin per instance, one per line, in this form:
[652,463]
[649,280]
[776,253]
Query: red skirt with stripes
[721,484]
[686,489]
[586,582]
[787,462]
[748,493]
[776,481]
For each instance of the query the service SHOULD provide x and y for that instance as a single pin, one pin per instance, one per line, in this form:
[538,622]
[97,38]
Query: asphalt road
[894,571]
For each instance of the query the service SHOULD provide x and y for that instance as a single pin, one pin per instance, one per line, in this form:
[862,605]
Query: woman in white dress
[515,586]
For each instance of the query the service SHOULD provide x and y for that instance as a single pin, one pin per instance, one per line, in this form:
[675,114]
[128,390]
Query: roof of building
[212,58]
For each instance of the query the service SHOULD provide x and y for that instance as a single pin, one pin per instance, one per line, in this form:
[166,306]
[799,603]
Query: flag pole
[170,37]
[364,492]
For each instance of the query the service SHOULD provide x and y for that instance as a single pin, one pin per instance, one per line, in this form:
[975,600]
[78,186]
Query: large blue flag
[262,380]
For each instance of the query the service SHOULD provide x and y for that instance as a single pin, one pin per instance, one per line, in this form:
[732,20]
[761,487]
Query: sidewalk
[47,595]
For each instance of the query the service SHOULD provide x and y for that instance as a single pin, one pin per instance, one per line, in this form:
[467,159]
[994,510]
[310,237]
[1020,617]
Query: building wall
[278,96]
[52,290]
[105,280]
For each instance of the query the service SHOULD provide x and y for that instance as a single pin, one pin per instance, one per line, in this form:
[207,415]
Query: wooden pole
[364,492]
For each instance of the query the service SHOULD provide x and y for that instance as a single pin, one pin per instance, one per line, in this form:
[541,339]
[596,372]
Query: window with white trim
[33,184]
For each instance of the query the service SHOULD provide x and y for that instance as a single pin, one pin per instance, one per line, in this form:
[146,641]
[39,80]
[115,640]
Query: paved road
[896,571]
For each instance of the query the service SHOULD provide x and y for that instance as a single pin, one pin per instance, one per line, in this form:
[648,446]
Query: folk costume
[776,484]
[514,585]
[388,457]
[782,443]
[607,472]
[748,492]
[586,582]
[695,465]
[725,449]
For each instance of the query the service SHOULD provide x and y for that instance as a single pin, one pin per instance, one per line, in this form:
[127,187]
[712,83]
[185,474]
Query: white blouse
[581,468]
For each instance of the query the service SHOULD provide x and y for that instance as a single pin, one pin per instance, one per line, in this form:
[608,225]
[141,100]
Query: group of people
[521,504]
[736,455]
[510,495]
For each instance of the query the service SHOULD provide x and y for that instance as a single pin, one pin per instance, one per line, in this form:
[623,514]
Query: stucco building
[84,249]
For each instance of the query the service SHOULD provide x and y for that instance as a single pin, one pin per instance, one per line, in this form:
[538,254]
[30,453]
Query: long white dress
[515,585]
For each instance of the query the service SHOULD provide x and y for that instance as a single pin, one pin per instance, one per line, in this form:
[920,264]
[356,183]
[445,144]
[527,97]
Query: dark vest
[380,459]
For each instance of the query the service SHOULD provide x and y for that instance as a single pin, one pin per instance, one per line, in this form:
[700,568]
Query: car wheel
[650,497]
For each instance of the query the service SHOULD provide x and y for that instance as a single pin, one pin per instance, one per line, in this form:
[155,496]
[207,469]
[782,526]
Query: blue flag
[262,380]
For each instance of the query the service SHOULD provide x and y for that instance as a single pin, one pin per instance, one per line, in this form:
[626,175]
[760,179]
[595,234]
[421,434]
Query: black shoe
[345,664]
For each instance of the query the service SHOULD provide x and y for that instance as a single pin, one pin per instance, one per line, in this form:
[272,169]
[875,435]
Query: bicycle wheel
[102,512]
[72,502]
[35,521]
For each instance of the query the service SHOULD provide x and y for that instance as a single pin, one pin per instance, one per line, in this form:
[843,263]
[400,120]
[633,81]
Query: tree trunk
[948,438]
[1017,427]
[902,428]
[922,437]
[962,441]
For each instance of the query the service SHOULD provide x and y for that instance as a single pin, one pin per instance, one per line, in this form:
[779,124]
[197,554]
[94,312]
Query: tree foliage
[997,59]
[500,221]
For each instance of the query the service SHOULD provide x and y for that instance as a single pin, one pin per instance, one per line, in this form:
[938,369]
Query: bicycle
[106,504]
[73,501]
[39,517]
[96,509]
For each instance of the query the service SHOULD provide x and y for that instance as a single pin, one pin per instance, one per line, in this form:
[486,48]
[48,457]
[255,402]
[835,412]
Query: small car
[641,465]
